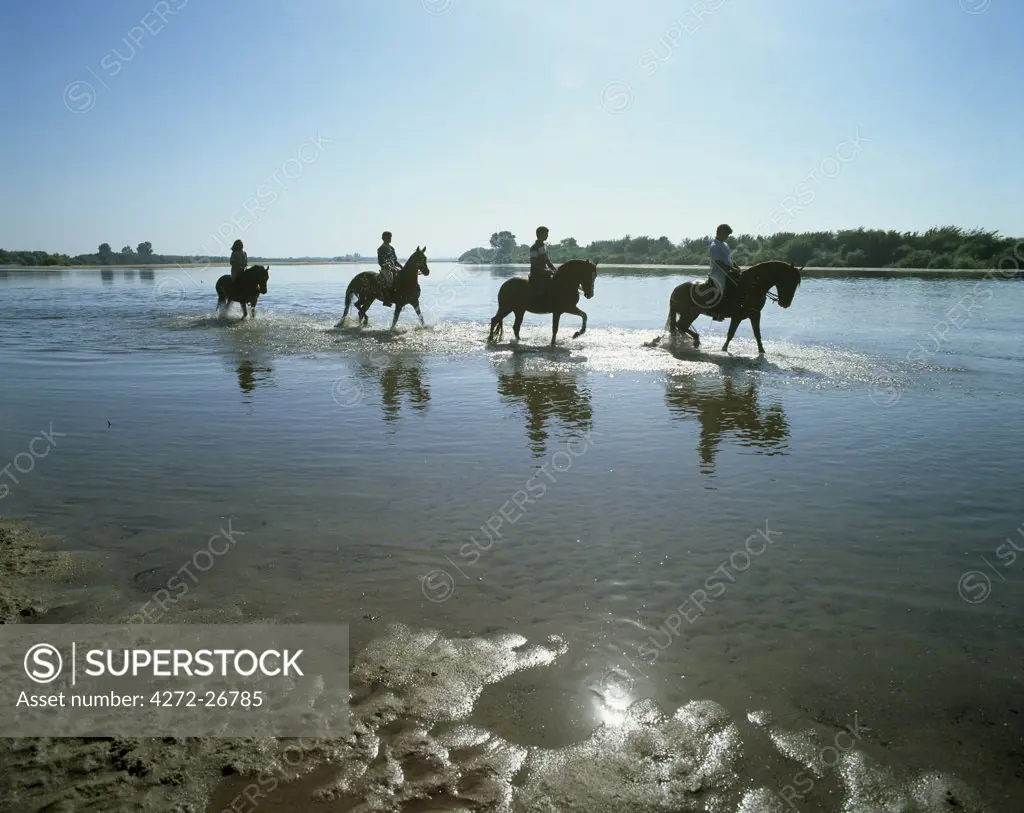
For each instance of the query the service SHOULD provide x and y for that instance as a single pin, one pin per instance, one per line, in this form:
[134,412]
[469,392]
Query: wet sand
[426,710]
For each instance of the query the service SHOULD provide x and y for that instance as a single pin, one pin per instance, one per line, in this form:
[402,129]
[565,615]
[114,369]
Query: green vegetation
[940,247]
[141,255]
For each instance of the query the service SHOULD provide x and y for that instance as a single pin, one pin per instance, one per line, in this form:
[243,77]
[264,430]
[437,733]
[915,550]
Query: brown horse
[366,286]
[561,296]
[245,290]
[691,299]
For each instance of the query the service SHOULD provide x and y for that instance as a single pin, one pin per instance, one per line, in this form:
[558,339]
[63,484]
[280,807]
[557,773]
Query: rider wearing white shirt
[721,261]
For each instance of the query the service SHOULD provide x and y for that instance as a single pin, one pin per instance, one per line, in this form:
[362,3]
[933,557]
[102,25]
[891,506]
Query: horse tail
[497,322]
[670,323]
[349,293]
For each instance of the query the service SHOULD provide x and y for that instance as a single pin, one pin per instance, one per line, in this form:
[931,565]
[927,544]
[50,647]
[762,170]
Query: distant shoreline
[132,266]
[697,270]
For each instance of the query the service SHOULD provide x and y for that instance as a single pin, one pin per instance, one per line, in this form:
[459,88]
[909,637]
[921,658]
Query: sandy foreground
[412,746]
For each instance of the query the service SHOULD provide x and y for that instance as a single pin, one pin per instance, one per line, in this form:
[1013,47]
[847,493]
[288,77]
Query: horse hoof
[577,334]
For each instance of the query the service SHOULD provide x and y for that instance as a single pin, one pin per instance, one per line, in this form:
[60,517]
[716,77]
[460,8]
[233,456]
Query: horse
[245,290]
[560,296]
[689,300]
[366,285]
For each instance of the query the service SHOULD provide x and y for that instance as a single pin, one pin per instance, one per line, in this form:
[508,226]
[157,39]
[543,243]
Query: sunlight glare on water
[544,554]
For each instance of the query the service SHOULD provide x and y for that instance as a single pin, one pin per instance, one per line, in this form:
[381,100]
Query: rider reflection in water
[541,269]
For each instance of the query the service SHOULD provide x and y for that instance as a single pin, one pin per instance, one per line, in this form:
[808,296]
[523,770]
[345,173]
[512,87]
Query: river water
[650,578]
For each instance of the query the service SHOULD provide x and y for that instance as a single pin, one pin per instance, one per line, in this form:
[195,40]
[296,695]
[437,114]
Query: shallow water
[744,548]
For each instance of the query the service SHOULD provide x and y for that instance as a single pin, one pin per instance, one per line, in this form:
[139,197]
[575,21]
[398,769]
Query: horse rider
[389,267]
[541,269]
[722,266]
[239,260]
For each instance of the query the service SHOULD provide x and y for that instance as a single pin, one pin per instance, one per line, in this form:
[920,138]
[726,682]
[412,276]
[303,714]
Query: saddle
[387,291]
[705,292]
[539,294]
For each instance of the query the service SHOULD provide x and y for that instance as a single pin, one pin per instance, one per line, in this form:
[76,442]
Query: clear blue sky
[494,114]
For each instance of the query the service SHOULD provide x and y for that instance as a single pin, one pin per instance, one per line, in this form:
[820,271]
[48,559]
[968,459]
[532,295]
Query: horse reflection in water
[727,409]
[546,395]
[400,378]
[249,375]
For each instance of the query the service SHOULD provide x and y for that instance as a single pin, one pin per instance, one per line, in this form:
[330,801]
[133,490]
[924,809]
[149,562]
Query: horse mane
[570,265]
[769,265]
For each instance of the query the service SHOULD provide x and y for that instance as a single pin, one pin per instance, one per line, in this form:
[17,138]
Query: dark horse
[245,290]
[690,300]
[366,286]
[561,296]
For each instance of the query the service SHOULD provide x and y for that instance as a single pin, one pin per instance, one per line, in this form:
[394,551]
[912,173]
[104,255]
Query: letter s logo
[43,663]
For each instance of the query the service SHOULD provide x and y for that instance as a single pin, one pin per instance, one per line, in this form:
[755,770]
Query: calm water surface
[610,497]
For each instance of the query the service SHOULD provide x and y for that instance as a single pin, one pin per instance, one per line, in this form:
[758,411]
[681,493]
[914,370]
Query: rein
[771,296]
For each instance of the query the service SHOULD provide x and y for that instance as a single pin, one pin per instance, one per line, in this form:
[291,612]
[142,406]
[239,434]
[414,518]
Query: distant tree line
[939,247]
[142,254]
[105,255]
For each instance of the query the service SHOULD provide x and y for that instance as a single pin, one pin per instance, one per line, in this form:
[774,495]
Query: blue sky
[308,127]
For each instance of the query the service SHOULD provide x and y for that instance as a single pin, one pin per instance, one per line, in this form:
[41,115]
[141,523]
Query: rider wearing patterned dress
[389,267]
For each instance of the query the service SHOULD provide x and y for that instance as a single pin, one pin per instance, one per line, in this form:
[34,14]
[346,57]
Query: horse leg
[684,327]
[497,323]
[755,324]
[679,321]
[518,323]
[245,312]
[734,323]
[555,317]
[416,307]
[398,310]
[362,306]
[577,312]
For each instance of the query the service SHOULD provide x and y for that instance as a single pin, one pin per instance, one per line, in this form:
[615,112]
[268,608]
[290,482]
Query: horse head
[589,277]
[787,282]
[418,260]
[787,285]
[581,273]
[261,273]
